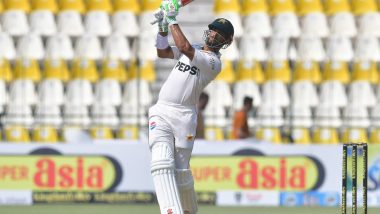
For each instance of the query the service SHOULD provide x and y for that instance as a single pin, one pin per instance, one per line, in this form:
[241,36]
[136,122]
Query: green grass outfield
[153,209]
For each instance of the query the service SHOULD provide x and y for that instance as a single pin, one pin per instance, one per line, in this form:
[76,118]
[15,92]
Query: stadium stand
[311,67]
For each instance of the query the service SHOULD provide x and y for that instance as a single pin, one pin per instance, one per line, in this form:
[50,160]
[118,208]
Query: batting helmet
[225,28]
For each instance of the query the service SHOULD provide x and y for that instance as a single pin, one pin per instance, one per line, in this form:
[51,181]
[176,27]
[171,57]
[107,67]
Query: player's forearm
[163,48]
[181,41]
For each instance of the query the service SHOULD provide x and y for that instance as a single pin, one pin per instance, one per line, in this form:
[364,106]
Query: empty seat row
[79,92]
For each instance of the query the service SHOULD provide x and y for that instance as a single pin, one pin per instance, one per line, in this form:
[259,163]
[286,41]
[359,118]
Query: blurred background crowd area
[310,66]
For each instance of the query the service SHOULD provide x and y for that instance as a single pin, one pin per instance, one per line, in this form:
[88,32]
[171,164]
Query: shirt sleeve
[206,61]
[176,52]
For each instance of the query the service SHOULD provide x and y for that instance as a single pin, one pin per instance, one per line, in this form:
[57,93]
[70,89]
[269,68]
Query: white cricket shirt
[188,78]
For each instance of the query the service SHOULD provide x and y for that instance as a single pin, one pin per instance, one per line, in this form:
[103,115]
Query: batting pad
[185,183]
[162,169]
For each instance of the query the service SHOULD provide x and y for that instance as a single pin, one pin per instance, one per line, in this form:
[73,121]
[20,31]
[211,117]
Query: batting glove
[163,25]
[171,10]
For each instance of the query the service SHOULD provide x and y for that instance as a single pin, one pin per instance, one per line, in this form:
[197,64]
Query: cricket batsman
[173,119]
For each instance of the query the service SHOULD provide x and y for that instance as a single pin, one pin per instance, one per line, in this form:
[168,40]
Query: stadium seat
[278,70]
[125,22]
[145,26]
[70,23]
[327,116]
[256,18]
[6,73]
[72,5]
[128,132]
[286,25]
[325,135]
[355,116]
[76,116]
[339,48]
[56,69]
[249,70]
[279,48]
[257,24]
[99,5]
[127,5]
[48,115]
[16,134]
[281,6]
[369,24]
[101,132]
[253,48]
[48,5]
[269,120]
[117,47]
[354,135]
[343,24]
[79,92]
[246,88]
[214,133]
[253,6]
[374,136]
[307,71]
[215,115]
[231,53]
[304,94]
[361,93]
[98,23]
[19,114]
[88,46]
[114,69]
[299,135]
[104,115]
[145,71]
[59,46]
[221,6]
[305,7]
[85,69]
[27,69]
[220,94]
[137,93]
[150,5]
[22,92]
[45,134]
[327,120]
[7,48]
[108,92]
[51,92]
[365,71]
[336,71]
[22,5]
[42,22]
[360,7]
[275,93]
[147,47]
[310,49]
[269,134]
[314,25]
[367,48]
[15,22]
[332,93]
[227,74]
[299,117]
[31,46]
[132,116]
[333,7]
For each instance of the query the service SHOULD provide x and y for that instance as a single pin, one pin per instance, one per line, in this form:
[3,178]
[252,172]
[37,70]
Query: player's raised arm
[162,44]
[171,10]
